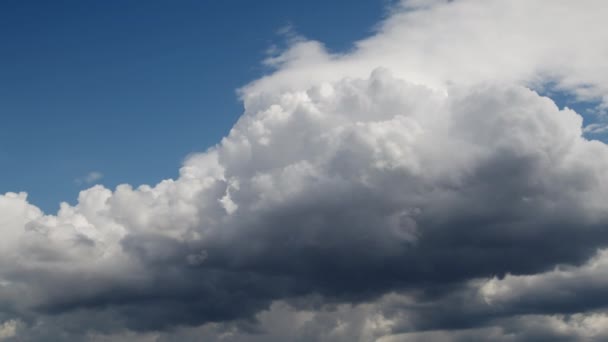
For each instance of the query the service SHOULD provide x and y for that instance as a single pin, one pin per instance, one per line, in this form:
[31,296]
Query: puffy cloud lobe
[442,42]
[349,202]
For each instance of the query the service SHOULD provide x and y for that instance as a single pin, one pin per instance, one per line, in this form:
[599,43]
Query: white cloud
[437,43]
[90,178]
[8,329]
[596,128]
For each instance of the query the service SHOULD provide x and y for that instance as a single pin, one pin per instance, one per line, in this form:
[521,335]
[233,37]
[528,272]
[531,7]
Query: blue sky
[129,88]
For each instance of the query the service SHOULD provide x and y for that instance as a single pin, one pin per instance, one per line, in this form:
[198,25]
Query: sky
[414,170]
[128,89]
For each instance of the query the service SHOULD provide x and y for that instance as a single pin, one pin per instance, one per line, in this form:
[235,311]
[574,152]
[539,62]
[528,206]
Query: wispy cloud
[596,128]
[89,178]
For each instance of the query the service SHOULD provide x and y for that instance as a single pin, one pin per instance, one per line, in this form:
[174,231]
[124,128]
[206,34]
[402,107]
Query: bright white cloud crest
[420,158]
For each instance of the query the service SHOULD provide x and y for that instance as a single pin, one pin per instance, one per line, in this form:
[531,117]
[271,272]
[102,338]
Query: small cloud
[596,128]
[91,177]
[196,259]
[8,329]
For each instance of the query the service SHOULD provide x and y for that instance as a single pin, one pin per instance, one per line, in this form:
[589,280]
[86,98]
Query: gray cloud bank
[414,189]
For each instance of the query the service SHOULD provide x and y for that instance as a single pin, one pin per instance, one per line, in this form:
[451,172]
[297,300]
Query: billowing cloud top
[413,189]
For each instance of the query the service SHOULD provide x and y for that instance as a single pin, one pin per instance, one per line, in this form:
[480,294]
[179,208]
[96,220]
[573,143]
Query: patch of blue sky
[594,121]
[127,89]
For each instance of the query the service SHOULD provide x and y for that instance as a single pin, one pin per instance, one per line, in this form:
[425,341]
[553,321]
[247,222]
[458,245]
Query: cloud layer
[413,189]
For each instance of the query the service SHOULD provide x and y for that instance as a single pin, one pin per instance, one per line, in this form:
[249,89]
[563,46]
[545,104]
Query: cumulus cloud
[416,188]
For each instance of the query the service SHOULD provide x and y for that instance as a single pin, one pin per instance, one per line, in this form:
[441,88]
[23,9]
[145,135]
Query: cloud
[596,128]
[565,288]
[415,188]
[90,178]
[8,329]
[578,327]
